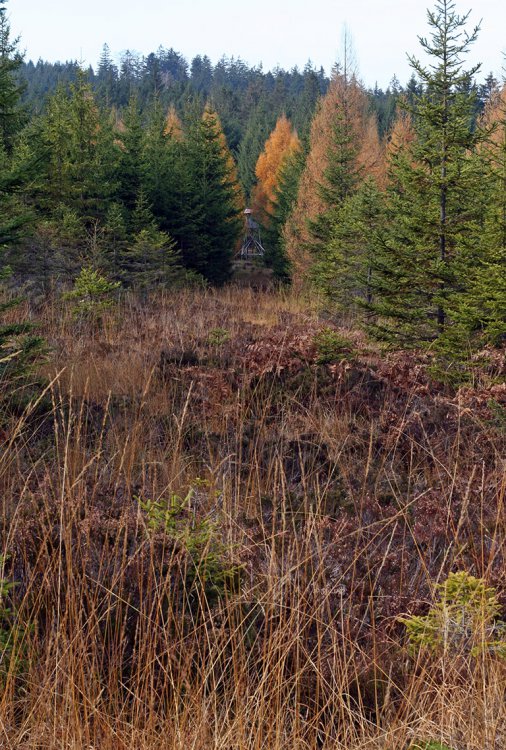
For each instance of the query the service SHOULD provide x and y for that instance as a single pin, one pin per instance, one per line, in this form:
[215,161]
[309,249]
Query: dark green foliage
[90,155]
[156,164]
[433,204]
[19,348]
[131,156]
[384,104]
[150,259]
[73,146]
[344,271]
[212,209]
[107,78]
[11,114]
[478,312]
[12,634]
[20,351]
[331,347]
[307,102]
[115,237]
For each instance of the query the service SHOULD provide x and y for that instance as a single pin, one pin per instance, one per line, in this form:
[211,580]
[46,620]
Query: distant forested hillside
[247,99]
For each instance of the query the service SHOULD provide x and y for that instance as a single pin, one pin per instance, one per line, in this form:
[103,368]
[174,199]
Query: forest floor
[215,514]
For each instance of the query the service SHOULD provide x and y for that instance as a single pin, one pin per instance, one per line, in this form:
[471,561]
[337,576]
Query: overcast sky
[284,32]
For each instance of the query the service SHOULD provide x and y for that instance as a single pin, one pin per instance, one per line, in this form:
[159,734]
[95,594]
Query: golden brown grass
[344,493]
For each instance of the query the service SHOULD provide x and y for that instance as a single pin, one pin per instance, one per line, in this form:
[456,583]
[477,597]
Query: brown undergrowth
[213,535]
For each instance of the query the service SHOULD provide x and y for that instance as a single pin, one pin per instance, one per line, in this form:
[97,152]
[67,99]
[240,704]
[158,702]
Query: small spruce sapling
[464,620]
[92,295]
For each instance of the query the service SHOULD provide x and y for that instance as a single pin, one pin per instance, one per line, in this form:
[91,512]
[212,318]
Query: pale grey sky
[284,32]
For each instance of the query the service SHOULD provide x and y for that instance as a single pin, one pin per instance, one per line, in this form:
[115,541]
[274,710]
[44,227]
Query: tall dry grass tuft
[213,537]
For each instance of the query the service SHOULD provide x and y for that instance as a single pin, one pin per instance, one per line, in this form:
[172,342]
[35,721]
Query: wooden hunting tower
[252,244]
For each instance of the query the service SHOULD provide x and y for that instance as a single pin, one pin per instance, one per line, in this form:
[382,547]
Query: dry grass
[344,492]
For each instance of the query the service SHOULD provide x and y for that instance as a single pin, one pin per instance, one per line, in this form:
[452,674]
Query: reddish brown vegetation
[344,490]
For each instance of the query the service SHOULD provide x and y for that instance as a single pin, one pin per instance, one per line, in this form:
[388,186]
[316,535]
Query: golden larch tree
[347,100]
[402,134]
[282,142]
[173,125]
[494,121]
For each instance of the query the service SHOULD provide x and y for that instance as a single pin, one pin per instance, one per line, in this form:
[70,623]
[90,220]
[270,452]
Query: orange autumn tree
[173,125]
[401,137]
[494,122]
[345,106]
[281,144]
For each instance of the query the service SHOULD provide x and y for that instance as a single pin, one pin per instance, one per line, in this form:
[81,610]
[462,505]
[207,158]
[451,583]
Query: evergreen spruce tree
[150,259]
[53,144]
[432,206]
[91,158]
[181,209]
[156,159]
[344,171]
[307,103]
[345,266]
[107,78]
[12,116]
[130,161]
[213,207]
[284,203]
[142,215]
[19,348]
[77,154]
[115,238]
[478,311]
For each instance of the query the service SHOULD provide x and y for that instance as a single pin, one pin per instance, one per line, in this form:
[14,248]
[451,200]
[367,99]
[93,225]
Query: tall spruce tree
[19,348]
[213,208]
[130,162]
[478,312]
[91,153]
[285,199]
[342,173]
[344,269]
[344,148]
[432,208]
[12,115]
[155,165]
[150,260]
[107,78]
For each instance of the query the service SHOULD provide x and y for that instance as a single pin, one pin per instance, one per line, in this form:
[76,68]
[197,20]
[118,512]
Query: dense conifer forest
[253,500]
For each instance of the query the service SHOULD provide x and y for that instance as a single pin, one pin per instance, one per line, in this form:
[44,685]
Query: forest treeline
[247,98]
[392,205]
